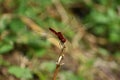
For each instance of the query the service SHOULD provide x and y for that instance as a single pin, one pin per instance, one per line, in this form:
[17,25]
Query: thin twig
[59,62]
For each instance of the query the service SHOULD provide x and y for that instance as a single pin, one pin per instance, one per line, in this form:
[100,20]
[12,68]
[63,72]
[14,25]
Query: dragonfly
[45,35]
[62,40]
[59,35]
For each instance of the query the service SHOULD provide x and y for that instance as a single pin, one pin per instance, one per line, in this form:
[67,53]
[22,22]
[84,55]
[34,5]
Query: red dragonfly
[59,35]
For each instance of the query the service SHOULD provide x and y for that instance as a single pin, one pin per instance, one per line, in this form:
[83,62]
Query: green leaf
[24,73]
[48,66]
[112,14]
[22,6]
[114,37]
[103,52]
[70,76]
[5,47]
[99,17]
[17,26]
[40,52]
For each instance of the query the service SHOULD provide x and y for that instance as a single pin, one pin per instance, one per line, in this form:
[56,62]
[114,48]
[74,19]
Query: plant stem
[59,62]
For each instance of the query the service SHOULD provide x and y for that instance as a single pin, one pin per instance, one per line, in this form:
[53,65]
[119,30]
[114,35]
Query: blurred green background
[28,50]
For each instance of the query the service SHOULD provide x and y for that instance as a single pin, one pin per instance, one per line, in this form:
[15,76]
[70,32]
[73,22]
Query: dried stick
[59,62]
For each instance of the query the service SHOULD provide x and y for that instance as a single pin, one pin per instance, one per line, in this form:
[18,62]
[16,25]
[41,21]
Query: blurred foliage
[105,24]
[5,47]
[3,62]
[48,66]
[102,20]
[20,72]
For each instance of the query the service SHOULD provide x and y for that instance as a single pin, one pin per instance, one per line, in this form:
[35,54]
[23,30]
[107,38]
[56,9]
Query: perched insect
[59,35]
